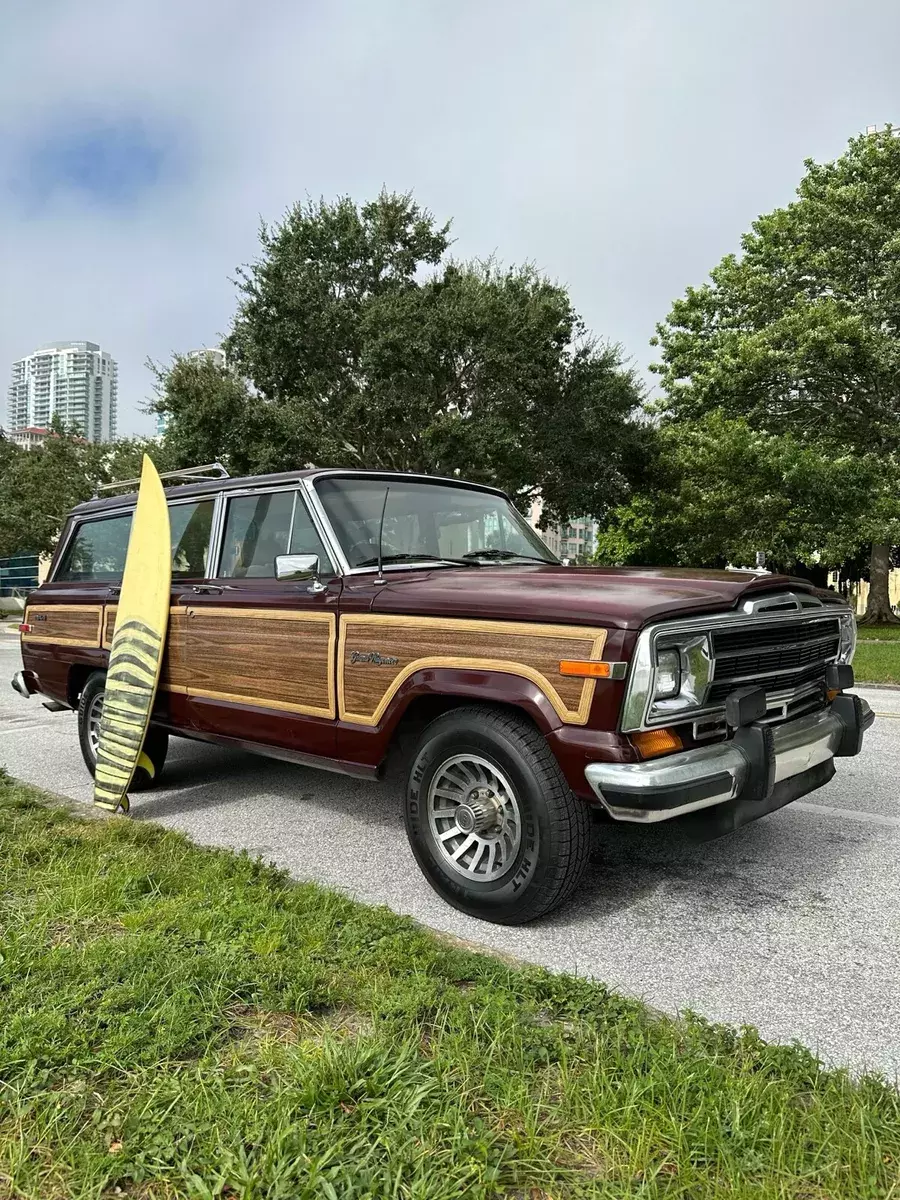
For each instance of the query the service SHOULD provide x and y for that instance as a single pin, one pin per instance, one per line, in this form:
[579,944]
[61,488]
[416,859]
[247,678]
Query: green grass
[877,662]
[879,633]
[176,1021]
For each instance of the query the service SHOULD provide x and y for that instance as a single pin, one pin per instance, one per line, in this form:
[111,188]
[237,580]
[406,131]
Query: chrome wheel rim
[94,713]
[474,818]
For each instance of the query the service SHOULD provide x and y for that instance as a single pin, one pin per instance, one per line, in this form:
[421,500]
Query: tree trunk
[878,606]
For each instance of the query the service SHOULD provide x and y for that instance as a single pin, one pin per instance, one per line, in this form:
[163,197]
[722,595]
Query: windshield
[427,520]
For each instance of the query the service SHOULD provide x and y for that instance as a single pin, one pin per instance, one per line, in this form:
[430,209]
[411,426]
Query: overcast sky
[621,145]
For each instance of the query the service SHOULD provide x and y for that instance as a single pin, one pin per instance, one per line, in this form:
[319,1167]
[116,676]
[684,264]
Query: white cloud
[621,146]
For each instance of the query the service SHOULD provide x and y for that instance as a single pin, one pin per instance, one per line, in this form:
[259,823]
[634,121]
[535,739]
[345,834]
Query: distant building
[216,355]
[76,382]
[30,437]
[575,539]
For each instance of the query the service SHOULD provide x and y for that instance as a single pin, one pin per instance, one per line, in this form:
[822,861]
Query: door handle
[114,591]
[207,589]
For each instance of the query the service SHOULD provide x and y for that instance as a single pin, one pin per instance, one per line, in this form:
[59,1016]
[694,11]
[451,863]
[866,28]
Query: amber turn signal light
[650,743]
[589,670]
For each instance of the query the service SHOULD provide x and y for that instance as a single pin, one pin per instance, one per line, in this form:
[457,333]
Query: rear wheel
[490,818]
[90,710]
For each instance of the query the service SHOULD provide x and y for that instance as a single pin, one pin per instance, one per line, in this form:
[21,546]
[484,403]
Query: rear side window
[97,550]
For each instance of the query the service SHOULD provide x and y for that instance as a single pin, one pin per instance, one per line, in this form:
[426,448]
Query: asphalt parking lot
[792,924]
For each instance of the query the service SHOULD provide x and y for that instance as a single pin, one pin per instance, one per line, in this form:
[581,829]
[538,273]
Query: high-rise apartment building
[74,381]
[215,354]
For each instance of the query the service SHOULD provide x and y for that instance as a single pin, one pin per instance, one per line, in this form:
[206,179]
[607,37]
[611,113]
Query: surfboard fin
[144,761]
[122,805]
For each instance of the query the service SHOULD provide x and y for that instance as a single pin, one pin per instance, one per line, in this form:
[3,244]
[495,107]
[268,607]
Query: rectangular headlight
[847,646]
[668,673]
[682,673]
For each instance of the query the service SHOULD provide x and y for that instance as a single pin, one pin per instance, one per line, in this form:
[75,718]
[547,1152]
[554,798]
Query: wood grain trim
[571,716]
[329,711]
[268,614]
[110,610]
[53,639]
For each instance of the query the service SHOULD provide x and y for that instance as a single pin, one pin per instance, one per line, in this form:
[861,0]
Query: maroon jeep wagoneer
[345,619]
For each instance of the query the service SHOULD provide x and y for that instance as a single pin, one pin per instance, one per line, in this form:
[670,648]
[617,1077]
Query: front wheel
[90,710]
[490,818]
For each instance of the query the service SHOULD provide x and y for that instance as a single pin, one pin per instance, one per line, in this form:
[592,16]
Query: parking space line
[26,728]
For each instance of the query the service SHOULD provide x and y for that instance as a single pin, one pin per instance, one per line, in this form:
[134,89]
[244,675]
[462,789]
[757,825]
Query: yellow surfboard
[139,640]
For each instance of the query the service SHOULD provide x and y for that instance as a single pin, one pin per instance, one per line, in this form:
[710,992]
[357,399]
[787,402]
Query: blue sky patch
[111,164]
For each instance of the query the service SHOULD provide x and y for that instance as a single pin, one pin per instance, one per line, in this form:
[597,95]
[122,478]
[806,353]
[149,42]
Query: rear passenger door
[260,652]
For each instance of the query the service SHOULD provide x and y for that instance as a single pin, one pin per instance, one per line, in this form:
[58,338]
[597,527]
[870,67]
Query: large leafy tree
[357,341]
[800,333]
[38,487]
[720,490]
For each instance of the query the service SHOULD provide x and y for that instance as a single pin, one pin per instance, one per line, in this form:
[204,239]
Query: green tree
[357,341]
[720,490]
[38,487]
[800,333]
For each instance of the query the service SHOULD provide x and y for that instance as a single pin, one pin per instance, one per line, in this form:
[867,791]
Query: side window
[304,539]
[191,526]
[97,551]
[259,528]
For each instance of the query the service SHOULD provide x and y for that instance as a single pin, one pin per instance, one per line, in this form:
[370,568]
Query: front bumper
[799,751]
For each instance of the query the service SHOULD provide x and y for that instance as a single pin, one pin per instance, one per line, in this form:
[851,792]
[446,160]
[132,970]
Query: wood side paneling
[271,658]
[64,624]
[173,675]
[109,624]
[532,651]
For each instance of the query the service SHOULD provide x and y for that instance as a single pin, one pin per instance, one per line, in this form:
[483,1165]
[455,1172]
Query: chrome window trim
[639,689]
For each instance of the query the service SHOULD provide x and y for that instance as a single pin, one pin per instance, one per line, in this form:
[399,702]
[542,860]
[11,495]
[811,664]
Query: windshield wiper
[505,554]
[439,558]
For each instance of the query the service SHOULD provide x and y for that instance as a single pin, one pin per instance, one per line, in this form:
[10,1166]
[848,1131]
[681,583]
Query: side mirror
[297,566]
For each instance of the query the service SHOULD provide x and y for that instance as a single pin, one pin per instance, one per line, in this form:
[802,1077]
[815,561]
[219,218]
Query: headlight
[682,672]
[668,673]
[848,638]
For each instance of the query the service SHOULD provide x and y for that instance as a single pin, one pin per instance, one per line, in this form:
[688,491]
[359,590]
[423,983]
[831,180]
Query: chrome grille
[782,657]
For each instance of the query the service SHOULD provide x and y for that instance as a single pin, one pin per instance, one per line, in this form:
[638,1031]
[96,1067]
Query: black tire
[554,830]
[156,743]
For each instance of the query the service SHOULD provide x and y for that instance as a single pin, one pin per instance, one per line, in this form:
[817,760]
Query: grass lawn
[877,661]
[878,633]
[177,1021]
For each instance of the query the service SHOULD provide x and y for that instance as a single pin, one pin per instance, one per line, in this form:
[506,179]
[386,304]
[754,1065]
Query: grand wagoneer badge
[372,656]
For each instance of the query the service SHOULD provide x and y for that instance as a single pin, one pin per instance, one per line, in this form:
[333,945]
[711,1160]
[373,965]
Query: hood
[617,597]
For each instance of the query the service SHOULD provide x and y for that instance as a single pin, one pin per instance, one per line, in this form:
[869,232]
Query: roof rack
[190,474]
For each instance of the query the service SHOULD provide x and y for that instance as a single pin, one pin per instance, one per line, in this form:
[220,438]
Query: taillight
[23,628]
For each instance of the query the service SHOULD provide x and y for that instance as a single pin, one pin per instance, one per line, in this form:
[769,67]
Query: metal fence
[18,575]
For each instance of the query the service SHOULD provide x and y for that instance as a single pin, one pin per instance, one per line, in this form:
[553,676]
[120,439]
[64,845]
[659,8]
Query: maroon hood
[617,597]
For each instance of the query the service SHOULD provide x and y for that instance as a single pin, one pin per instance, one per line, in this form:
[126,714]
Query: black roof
[207,486]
